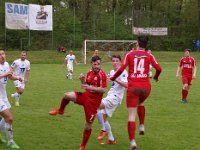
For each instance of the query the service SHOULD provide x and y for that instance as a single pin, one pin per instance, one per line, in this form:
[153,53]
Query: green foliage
[74,21]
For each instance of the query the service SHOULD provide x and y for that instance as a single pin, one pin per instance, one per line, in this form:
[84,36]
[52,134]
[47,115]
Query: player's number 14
[139,65]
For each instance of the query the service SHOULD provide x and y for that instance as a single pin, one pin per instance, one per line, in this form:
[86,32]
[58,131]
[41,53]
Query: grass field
[170,125]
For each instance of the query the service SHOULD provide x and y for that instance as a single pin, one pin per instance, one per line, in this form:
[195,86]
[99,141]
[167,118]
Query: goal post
[107,45]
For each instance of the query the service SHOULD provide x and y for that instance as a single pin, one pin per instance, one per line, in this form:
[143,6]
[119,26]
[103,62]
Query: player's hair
[1,49]
[95,58]
[142,41]
[23,52]
[116,56]
[187,49]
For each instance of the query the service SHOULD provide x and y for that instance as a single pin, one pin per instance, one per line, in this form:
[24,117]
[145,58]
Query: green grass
[170,125]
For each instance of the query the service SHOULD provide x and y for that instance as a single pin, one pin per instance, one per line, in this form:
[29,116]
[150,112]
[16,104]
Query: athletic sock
[9,132]
[16,96]
[2,124]
[131,130]
[108,129]
[101,120]
[86,136]
[184,94]
[141,114]
[63,103]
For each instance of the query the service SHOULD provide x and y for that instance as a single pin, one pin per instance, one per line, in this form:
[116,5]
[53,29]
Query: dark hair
[142,41]
[116,56]
[95,58]
[1,49]
[187,49]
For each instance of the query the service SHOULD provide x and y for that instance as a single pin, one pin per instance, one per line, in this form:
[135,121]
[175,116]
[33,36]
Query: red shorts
[137,94]
[187,80]
[90,104]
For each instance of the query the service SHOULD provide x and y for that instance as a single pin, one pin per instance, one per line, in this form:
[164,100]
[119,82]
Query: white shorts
[4,104]
[70,67]
[110,102]
[19,84]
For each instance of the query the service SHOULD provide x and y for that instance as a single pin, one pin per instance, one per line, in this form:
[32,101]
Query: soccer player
[94,83]
[69,59]
[188,65]
[21,68]
[111,101]
[96,53]
[139,86]
[5,112]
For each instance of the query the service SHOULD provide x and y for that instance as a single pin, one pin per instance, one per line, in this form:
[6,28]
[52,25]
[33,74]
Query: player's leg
[19,92]
[7,115]
[111,139]
[2,127]
[86,135]
[100,119]
[141,115]
[68,96]
[141,108]
[132,126]
[186,84]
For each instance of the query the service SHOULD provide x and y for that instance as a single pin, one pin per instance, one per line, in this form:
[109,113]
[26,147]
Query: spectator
[198,45]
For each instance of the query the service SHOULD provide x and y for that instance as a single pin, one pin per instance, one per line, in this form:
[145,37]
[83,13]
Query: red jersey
[187,64]
[97,80]
[138,62]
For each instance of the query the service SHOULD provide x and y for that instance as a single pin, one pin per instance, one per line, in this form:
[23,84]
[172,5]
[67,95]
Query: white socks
[101,120]
[108,129]
[2,124]
[16,96]
[9,133]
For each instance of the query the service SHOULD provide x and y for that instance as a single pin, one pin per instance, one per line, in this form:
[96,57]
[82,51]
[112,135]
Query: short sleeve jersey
[97,80]
[4,68]
[138,62]
[187,64]
[117,89]
[70,59]
[20,67]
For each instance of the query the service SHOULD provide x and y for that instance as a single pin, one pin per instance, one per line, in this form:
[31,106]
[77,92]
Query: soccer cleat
[2,140]
[82,148]
[13,145]
[102,135]
[67,76]
[56,111]
[109,142]
[141,132]
[183,101]
[17,104]
[133,145]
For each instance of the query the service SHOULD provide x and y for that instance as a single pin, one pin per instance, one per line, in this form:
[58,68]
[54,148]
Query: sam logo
[95,78]
[17,9]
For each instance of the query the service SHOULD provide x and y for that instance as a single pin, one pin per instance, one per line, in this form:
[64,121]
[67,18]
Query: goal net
[106,48]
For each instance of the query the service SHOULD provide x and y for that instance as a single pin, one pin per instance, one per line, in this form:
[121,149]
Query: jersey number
[138,66]
[22,70]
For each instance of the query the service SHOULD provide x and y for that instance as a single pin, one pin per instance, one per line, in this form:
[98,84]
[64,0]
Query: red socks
[63,103]
[131,130]
[141,114]
[184,94]
[86,136]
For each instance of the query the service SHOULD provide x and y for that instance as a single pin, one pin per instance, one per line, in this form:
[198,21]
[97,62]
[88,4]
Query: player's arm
[178,71]
[7,74]
[75,60]
[27,74]
[122,83]
[82,78]
[157,67]
[194,70]
[94,89]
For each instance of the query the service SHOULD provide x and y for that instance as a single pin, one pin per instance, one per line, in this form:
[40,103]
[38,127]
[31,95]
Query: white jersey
[20,67]
[3,69]
[70,59]
[117,89]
